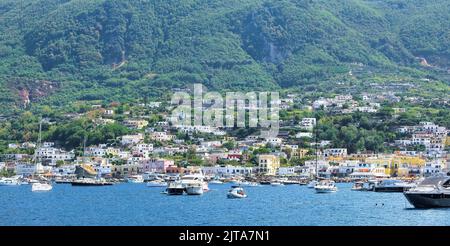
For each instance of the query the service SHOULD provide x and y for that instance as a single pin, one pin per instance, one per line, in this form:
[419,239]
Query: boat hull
[427,200]
[194,190]
[175,191]
[90,184]
[36,187]
[390,189]
[325,190]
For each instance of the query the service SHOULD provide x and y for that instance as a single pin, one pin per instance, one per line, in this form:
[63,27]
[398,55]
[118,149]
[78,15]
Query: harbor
[137,204]
[130,203]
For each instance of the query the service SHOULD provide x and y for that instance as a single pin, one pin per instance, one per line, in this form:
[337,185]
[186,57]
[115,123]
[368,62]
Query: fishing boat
[157,183]
[41,186]
[175,188]
[326,186]
[236,192]
[392,185]
[432,192]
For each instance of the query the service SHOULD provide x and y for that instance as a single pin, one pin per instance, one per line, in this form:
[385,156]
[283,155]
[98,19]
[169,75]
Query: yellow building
[268,164]
[299,152]
[397,165]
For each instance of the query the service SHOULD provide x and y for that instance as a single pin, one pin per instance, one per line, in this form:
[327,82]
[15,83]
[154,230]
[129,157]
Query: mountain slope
[117,50]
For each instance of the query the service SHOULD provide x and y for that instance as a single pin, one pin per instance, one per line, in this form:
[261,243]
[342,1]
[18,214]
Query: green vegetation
[56,52]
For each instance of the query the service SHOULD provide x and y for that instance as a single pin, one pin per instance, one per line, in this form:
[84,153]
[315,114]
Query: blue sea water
[136,204]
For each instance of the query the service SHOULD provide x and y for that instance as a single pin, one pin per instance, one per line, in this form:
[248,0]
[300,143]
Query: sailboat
[41,185]
[315,181]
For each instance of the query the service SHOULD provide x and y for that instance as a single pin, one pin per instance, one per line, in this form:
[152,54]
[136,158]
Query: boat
[432,192]
[175,188]
[90,182]
[325,186]
[157,183]
[250,184]
[392,185]
[264,183]
[194,189]
[289,182]
[236,192]
[44,186]
[312,184]
[135,179]
[13,181]
[63,181]
[197,178]
[276,183]
[215,182]
[359,186]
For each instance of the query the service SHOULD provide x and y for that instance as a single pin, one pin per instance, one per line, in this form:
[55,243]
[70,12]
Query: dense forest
[59,51]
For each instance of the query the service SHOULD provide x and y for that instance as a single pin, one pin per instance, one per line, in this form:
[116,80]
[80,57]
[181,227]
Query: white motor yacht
[41,187]
[13,181]
[157,183]
[136,179]
[325,186]
[197,178]
[194,188]
[276,183]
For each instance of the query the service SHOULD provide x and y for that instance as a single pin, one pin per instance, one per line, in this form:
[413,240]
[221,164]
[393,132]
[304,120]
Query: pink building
[156,165]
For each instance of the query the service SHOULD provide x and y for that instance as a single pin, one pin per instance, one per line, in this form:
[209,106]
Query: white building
[308,123]
[337,152]
[132,139]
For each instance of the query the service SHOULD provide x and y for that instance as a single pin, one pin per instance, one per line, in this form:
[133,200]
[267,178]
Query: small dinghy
[236,192]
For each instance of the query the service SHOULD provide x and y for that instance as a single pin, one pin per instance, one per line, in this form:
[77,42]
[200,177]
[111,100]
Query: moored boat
[157,183]
[312,184]
[13,181]
[90,182]
[326,186]
[236,192]
[44,186]
[432,192]
[392,185]
[194,189]
[175,188]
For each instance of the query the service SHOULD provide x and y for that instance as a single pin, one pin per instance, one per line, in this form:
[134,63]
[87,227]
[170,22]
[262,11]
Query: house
[308,123]
[156,165]
[54,154]
[304,135]
[125,170]
[132,139]
[268,164]
[337,152]
[285,171]
[161,136]
[135,124]
[142,149]
[274,141]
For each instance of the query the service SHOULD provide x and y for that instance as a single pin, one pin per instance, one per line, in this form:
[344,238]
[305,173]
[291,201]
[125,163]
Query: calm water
[136,204]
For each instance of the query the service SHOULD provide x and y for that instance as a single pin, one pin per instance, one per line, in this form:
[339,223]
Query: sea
[131,204]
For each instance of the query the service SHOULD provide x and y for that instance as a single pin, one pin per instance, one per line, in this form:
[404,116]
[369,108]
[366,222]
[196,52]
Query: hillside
[58,51]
